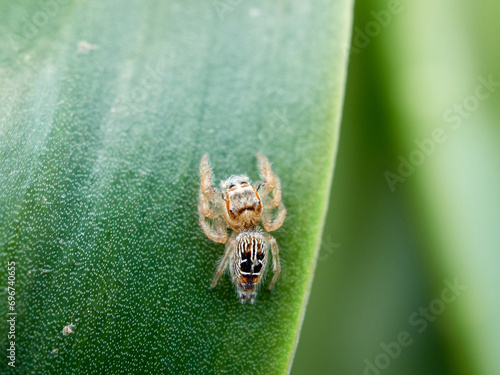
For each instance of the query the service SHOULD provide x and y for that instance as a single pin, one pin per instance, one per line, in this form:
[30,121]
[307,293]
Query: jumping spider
[241,206]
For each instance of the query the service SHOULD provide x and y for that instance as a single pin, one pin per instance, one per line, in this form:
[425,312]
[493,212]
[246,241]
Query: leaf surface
[107,108]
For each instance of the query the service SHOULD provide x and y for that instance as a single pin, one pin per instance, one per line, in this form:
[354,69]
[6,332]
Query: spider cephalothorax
[241,206]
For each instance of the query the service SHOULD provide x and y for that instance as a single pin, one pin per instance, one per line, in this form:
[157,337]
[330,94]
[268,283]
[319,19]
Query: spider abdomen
[249,263]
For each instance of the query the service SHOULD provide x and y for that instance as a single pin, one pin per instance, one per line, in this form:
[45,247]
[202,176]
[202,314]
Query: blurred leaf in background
[411,287]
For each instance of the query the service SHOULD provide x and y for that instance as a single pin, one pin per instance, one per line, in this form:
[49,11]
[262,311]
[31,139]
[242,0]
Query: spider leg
[217,234]
[276,200]
[268,222]
[272,184]
[207,195]
[267,174]
[230,247]
[212,194]
[204,206]
[276,261]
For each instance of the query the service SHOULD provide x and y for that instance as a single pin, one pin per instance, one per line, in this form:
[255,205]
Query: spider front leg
[272,184]
[276,261]
[212,194]
[271,224]
[204,206]
[266,173]
[207,195]
[218,232]
[230,247]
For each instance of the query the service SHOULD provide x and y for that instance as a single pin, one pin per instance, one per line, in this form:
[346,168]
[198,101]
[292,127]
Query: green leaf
[107,108]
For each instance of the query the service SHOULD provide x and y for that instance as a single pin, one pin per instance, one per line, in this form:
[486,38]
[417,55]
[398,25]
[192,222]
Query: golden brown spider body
[241,206]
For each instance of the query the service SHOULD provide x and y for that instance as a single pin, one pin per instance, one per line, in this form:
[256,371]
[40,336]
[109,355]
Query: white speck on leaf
[85,47]
[67,330]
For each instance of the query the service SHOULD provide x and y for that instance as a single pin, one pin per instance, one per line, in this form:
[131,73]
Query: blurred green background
[386,257]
